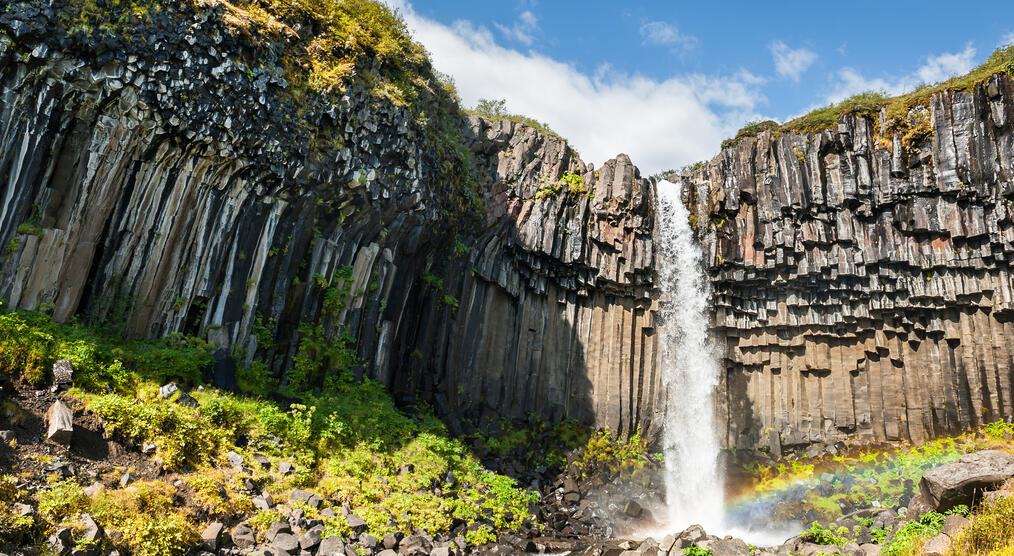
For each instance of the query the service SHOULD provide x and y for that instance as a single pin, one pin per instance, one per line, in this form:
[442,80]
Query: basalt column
[862,280]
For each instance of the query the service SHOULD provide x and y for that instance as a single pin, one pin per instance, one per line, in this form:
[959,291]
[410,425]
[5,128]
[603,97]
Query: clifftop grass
[870,103]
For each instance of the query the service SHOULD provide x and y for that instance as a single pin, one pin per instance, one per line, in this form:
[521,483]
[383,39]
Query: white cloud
[666,34]
[659,123]
[944,66]
[934,69]
[1007,40]
[524,28]
[790,62]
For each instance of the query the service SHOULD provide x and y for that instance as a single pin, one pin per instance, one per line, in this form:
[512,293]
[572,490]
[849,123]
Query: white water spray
[694,485]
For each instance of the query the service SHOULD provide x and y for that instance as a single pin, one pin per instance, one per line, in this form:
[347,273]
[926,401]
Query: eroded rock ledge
[158,188]
[863,289]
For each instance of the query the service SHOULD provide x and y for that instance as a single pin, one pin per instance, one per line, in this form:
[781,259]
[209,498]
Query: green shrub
[818,534]
[147,517]
[63,499]
[183,436]
[991,530]
[909,539]
[696,551]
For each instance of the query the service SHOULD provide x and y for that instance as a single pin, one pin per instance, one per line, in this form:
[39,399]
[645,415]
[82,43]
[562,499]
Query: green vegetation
[570,182]
[345,437]
[752,129]
[696,551]
[909,539]
[495,110]
[873,475]
[818,534]
[991,530]
[906,113]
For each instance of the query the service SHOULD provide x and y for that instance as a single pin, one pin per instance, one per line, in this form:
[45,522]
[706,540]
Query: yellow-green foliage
[145,514]
[991,531]
[111,16]
[182,435]
[569,183]
[62,500]
[30,342]
[344,437]
[15,529]
[902,114]
[605,457]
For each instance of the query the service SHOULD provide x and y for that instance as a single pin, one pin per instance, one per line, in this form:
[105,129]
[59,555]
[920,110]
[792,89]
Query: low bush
[991,530]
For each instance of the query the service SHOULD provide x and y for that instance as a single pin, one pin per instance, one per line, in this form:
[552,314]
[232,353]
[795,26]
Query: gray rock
[7,436]
[693,534]
[870,549]
[356,523]
[390,540]
[331,546]
[211,535]
[939,545]
[285,468]
[286,542]
[963,481]
[367,541]
[953,525]
[235,459]
[726,547]
[126,479]
[61,423]
[167,390]
[244,536]
[632,509]
[91,530]
[277,528]
[187,400]
[311,538]
[63,372]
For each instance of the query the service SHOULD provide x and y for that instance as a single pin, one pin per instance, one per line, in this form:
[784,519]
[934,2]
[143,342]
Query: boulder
[92,531]
[726,547]
[243,536]
[356,523]
[311,538]
[632,509]
[276,529]
[939,545]
[693,534]
[286,542]
[211,535]
[964,481]
[167,390]
[63,372]
[870,549]
[953,525]
[331,546]
[61,423]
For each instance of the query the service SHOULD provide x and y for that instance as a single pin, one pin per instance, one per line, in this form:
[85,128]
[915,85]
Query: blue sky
[665,82]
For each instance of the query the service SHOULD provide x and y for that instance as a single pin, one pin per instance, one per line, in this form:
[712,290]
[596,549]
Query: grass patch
[914,127]
[991,530]
[569,183]
[495,110]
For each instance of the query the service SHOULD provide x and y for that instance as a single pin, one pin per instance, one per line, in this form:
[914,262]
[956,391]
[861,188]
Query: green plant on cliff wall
[570,182]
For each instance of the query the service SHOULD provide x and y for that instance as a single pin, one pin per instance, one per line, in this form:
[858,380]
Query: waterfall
[694,485]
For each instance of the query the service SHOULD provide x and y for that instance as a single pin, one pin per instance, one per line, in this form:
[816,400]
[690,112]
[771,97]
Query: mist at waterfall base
[695,486]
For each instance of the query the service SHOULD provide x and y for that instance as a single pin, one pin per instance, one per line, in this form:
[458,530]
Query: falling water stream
[694,483]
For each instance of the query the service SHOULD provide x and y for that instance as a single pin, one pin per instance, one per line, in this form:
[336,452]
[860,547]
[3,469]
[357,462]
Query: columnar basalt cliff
[163,187]
[862,283]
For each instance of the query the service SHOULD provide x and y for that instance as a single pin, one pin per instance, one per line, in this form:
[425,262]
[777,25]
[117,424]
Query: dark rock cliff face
[861,288]
[159,190]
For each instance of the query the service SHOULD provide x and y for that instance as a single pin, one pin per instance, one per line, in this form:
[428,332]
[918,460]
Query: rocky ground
[50,435]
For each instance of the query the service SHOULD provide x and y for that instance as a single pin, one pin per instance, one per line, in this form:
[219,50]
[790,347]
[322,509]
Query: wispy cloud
[789,62]
[1007,40]
[934,69]
[666,34]
[523,30]
[660,123]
